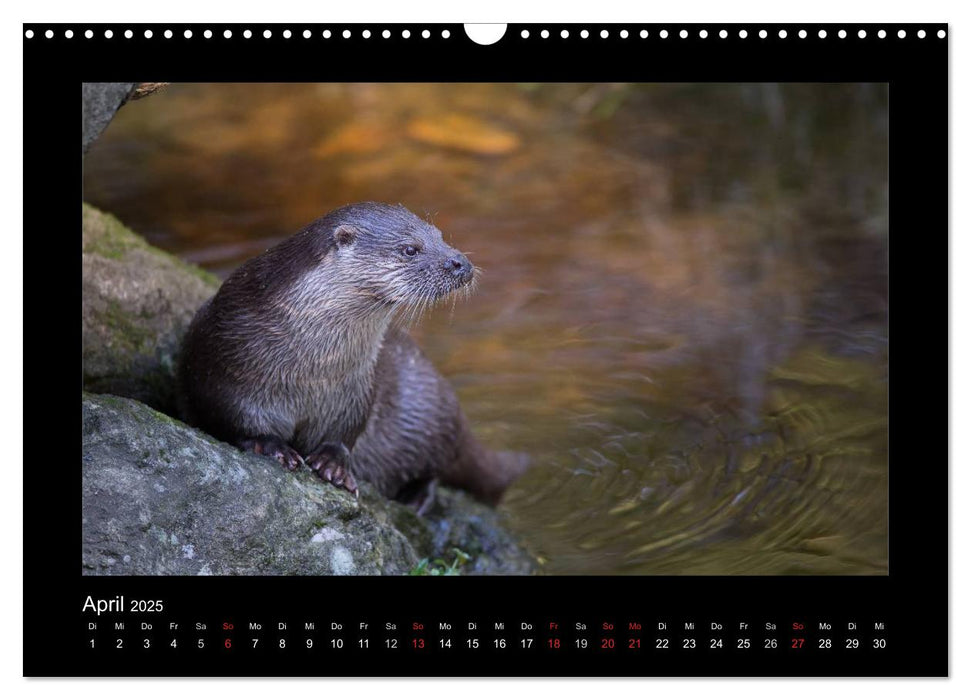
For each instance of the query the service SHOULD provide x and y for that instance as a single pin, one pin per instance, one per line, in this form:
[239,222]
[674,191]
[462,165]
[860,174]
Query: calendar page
[514,350]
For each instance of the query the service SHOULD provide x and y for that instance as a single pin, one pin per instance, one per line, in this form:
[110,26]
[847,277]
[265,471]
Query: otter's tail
[484,473]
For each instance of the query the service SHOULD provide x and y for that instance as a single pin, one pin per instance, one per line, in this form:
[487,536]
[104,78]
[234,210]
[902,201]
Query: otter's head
[393,259]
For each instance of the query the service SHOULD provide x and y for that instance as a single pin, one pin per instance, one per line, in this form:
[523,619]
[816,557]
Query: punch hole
[446,34]
[267,33]
[545,34]
[564,34]
[425,34]
[742,34]
[247,33]
[366,33]
[604,33]
[664,33]
[842,34]
[326,33]
[386,34]
[67,35]
[921,34]
[624,34]
[129,33]
[49,33]
[29,34]
[207,34]
[148,33]
[703,33]
[187,34]
[643,34]
[803,34]
[109,33]
[763,34]
[306,34]
[901,34]
[485,34]
[584,34]
[683,34]
[882,34]
[287,33]
[89,34]
[783,33]
[941,34]
[861,33]
[227,34]
[822,33]
[524,34]
[347,34]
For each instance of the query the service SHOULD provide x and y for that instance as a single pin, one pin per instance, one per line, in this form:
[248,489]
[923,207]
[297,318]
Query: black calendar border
[912,599]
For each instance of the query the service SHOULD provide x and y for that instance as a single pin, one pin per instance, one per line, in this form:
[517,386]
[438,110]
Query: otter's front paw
[275,448]
[332,462]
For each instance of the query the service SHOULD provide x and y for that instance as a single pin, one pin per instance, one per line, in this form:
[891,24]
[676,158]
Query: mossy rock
[136,304]
[159,497]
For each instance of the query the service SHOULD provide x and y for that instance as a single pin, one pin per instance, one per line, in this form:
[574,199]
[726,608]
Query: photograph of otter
[437,329]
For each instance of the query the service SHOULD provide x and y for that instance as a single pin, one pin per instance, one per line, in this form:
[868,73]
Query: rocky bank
[160,497]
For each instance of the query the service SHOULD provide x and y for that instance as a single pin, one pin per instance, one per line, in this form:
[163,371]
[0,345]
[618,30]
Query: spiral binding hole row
[724,34]
[246,34]
[445,34]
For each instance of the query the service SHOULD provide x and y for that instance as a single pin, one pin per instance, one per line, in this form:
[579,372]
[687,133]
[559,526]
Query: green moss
[439,567]
[136,410]
[206,276]
[115,402]
[103,234]
[129,335]
[166,419]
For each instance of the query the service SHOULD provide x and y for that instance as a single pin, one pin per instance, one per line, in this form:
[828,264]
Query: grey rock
[457,521]
[136,304]
[99,102]
[159,497]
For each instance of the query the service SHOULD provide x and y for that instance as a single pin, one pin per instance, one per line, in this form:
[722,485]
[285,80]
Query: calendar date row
[444,643]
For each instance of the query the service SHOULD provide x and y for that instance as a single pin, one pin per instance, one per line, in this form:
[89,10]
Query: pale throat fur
[310,362]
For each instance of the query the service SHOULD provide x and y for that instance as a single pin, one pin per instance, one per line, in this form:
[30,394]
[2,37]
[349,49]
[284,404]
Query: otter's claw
[332,462]
[275,448]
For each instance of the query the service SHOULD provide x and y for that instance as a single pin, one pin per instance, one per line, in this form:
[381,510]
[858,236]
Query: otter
[302,356]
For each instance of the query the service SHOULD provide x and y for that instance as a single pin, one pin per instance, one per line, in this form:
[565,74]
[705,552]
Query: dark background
[912,600]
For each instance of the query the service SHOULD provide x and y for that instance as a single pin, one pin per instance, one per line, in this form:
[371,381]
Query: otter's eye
[410,250]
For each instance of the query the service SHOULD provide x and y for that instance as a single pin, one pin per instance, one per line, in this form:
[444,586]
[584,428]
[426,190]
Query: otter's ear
[345,235]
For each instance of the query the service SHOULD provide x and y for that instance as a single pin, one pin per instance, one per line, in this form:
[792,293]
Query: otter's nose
[459,266]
